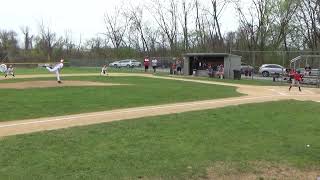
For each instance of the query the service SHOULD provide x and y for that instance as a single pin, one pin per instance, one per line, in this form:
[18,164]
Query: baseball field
[131,125]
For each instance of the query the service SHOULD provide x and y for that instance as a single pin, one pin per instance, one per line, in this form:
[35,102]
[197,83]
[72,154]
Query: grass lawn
[45,102]
[72,70]
[66,70]
[179,146]
[242,81]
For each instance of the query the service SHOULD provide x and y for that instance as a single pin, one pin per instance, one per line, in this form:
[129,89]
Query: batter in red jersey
[297,78]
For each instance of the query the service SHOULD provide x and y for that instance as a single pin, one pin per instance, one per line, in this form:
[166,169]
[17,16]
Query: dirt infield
[259,170]
[46,84]
[254,94]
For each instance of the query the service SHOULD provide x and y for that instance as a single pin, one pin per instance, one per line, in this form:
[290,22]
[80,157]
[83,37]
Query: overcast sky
[83,17]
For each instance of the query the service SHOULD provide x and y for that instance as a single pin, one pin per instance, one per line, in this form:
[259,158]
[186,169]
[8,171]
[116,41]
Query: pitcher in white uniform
[56,69]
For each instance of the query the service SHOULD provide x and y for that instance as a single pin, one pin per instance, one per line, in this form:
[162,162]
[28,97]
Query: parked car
[126,63]
[246,68]
[268,69]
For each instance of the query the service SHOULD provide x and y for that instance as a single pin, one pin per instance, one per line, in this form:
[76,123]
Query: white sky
[83,17]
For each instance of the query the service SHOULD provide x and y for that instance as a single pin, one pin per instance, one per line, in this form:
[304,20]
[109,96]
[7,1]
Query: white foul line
[309,91]
[283,94]
[74,117]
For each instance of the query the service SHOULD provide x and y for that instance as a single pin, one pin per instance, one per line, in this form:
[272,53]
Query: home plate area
[284,91]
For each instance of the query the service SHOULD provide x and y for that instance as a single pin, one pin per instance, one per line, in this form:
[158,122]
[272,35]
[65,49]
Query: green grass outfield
[142,91]
[248,81]
[178,146]
[72,70]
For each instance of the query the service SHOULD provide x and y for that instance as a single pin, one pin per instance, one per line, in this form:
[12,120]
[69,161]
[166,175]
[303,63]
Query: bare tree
[308,19]
[47,40]
[216,15]
[199,31]
[167,18]
[8,42]
[186,8]
[284,13]
[135,16]
[257,26]
[68,41]
[116,27]
[27,38]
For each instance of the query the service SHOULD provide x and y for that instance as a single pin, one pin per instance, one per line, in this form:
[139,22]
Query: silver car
[126,63]
[269,69]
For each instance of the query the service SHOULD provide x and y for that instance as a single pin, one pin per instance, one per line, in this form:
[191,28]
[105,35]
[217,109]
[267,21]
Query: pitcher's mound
[46,84]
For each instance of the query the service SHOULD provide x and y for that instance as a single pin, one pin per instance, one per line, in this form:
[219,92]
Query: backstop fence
[307,62]
[252,61]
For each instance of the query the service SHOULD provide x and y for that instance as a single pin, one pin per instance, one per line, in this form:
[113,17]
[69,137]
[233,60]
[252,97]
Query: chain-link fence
[163,65]
[276,65]
[256,65]
[163,62]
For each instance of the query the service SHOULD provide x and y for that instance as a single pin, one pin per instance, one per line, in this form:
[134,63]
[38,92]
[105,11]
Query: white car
[268,69]
[126,63]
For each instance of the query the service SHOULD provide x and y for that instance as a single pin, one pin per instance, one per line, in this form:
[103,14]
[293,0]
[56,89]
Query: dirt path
[254,94]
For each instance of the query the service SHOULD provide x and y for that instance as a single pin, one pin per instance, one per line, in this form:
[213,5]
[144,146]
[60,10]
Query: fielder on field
[56,69]
[3,68]
[104,70]
[9,71]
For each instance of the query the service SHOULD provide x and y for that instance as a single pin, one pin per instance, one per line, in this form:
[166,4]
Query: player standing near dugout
[297,78]
[179,67]
[56,69]
[154,64]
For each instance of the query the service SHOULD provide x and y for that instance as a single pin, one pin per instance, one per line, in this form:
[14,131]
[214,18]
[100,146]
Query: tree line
[173,27]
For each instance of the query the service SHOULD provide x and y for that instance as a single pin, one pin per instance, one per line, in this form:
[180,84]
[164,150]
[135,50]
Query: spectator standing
[154,64]
[210,71]
[179,67]
[307,70]
[173,67]
[146,63]
[220,71]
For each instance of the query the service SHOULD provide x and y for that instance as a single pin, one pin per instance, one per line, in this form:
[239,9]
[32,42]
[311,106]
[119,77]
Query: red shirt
[292,73]
[297,77]
[146,62]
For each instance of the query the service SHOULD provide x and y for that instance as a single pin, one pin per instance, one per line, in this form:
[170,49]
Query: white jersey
[58,66]
[3,68]
[154,62]
[10,70]
[56,69]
